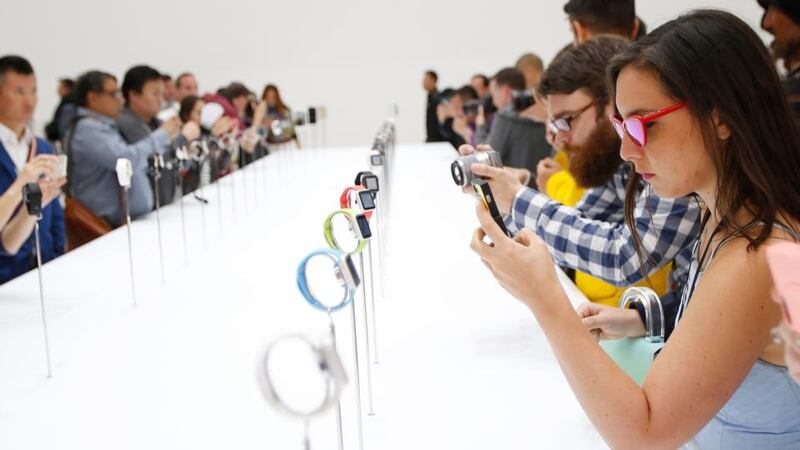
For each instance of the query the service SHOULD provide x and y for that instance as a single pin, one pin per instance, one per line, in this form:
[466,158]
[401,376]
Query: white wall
[354,56]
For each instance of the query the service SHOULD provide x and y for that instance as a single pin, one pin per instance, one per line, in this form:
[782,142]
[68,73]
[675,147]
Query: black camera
[488,105]
[471,107]
[32,198]
[522,100]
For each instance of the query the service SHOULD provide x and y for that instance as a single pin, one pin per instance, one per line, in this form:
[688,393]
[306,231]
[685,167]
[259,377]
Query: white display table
[463,365]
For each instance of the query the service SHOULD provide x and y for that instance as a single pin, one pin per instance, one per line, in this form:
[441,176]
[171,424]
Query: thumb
[526,237]
[486,171]
[592,323]
[465,150]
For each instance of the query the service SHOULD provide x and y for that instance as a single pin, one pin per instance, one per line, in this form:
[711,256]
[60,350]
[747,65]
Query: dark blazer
[51,225]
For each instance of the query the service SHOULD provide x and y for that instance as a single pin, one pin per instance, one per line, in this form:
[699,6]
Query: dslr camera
[522,100]
[471,107]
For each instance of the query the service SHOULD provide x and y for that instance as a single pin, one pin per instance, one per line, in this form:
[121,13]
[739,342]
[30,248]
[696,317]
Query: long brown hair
[279,105]
[715,62]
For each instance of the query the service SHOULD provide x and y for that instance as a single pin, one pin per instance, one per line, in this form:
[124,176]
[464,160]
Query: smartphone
[783,260]
[484,192]
[62,166]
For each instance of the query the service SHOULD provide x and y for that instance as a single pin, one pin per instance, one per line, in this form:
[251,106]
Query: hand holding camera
[190,131]
[546,168]
[51,189]
[224,125]
[172,127]
[40,165]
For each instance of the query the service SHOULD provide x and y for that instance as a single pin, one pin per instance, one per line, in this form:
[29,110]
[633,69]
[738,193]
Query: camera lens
[457,172]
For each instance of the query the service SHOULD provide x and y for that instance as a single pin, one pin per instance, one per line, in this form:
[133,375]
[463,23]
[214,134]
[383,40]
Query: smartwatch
[359,225]
[363,198]
[375,158]
[368,180]
[330,368]
[345,271]
[124,172]
[32,198]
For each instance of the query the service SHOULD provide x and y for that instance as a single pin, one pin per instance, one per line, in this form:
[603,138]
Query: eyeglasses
[635,126]
[113,94]
[565,123]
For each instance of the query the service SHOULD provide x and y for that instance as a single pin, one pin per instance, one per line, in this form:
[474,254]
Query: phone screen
[62,166]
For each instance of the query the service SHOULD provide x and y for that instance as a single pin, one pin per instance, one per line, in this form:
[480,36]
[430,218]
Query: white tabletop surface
[462,364]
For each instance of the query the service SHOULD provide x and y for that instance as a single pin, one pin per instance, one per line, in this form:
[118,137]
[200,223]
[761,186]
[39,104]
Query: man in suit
[20,148]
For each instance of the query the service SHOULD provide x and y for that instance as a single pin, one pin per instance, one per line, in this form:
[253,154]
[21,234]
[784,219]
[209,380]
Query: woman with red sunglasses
[701,112]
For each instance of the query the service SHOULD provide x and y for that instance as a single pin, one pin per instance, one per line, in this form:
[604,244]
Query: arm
[103,145]
[19,229]
[57,228]
[604,249]
[705,361]
[582,239]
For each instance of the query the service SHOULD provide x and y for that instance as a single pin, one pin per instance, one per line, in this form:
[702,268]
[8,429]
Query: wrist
[547,299]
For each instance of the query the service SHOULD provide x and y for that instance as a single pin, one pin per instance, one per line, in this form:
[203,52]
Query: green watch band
[328,230]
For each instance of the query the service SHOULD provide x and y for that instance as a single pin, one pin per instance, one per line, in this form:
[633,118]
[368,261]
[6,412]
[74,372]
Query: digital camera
[461,169]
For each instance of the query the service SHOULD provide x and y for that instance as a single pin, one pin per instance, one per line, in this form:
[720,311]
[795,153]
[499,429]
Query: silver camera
[461,169]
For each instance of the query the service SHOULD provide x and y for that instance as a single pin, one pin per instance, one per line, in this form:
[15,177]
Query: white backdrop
[354,56]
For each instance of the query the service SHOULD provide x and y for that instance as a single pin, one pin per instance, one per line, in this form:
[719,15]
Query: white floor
[462,365]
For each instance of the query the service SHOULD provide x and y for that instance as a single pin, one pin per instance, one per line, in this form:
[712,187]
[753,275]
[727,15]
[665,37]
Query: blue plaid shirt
[592,237]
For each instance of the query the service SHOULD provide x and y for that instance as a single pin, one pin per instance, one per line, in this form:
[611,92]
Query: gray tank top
[764,412]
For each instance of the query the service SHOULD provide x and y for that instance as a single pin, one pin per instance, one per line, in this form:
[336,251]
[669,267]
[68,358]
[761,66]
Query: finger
[586,310]
[486,171]
[591,323]
[478,245]
[465,150]
[45,158]
[527,237]
[489,226]
[484,148]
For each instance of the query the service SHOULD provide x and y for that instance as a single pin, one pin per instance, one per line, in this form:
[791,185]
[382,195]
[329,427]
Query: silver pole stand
[244,180]
[233,183]
[366,334]
[203,209]
[183,224]
[256,193]
[381,261]
[219,195]
[372,301]
[339,430]
[41,297]
[358,379]
[158,224]
[130,244]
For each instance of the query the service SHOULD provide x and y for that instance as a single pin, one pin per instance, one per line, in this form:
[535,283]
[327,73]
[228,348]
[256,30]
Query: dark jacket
[520,141]
[431,121]
[133,129]
[51,225]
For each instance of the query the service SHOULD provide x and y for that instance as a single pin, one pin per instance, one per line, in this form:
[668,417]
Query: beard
[594,162]
[785,49]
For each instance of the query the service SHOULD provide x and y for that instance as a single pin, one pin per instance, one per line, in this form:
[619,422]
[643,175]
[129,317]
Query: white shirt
[17,148]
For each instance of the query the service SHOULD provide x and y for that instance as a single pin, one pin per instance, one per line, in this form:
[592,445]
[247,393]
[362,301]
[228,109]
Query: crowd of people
[100,120]
[667,159]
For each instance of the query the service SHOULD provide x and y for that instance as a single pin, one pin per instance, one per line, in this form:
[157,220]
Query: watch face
[366,200]
[363,226]
[370,182]
[349,272]
[376,160]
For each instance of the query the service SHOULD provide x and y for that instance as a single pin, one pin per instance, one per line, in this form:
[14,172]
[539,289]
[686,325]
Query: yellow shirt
[563,188]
